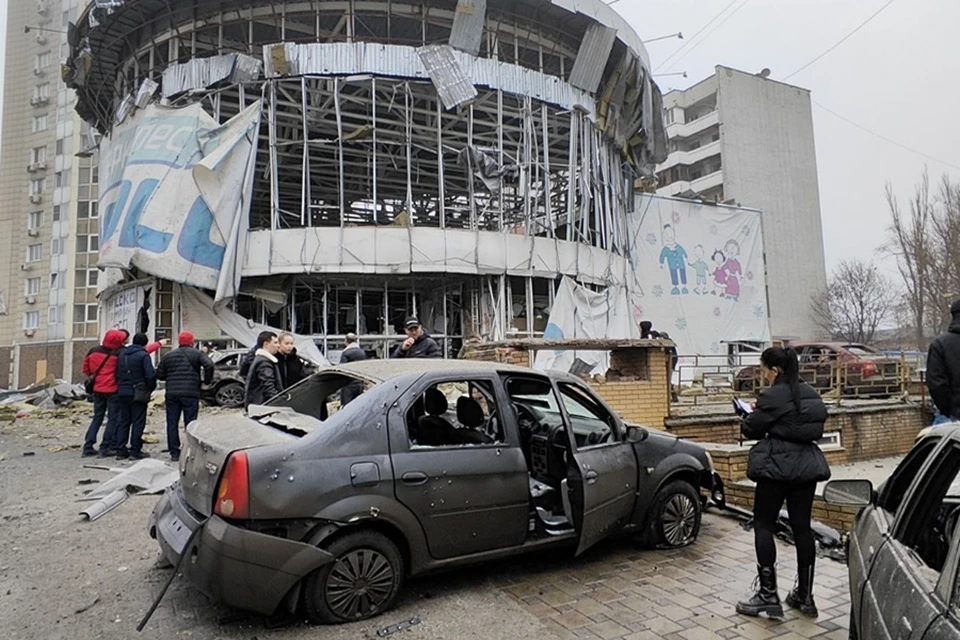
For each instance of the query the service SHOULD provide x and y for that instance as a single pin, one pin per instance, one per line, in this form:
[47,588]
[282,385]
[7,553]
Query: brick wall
[35,358]
[636,386]
[840,518]
[866,433]
[6,360]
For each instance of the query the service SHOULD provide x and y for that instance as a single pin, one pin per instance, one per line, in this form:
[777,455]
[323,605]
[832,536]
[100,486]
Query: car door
[602,471]
[907,586]
[468,498]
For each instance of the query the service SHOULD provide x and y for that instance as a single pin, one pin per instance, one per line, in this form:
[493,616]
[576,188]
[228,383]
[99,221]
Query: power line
[710,33]
[842,40]
[885,138]
[690,41]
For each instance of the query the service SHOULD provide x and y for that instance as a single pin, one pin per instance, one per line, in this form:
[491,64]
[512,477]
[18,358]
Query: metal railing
[699,382]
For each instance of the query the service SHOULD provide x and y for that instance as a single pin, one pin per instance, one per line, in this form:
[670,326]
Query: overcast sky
[897,76]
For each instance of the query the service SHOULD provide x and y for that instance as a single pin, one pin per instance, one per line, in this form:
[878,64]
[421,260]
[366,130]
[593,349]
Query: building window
[55,247]
[92,276]
[85,313]
[31,320]
[715,137]
[40,123]
[43,60]
[52,315]
[54,281]
[86,209]
[42,90]
[668,117]
[60,147]
[38,186]
[34,253]
[38,154]
[56,213]
[62,178]
[35,220]
[88,244]
[32,286]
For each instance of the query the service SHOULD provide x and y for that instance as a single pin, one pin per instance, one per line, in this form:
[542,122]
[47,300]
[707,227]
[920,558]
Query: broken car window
[455,413]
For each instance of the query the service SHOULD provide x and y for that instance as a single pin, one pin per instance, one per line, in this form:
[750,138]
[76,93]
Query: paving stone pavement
[616,591]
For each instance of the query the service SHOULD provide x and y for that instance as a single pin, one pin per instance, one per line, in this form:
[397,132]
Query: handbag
[141,393]
[90,383]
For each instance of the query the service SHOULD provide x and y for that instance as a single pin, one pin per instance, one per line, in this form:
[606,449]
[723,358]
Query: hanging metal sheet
[200,73]
[453,86]
[592,58]
[468,20]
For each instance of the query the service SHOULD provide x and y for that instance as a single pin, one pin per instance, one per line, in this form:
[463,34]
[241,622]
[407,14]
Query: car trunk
[209,441]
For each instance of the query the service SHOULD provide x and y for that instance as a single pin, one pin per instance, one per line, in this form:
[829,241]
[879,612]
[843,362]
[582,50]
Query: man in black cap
[418,344]
[943,368]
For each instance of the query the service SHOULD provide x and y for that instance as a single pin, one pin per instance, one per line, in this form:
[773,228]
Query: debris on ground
[151,438]
[88,481]
[29,453]
[89,606]
[146,477]
[400,626]
[46,395]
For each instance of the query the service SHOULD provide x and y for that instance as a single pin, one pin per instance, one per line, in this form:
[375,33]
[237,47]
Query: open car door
[602,470]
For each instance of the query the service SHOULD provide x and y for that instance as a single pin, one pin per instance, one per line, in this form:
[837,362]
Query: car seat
[432,429]
[470,415]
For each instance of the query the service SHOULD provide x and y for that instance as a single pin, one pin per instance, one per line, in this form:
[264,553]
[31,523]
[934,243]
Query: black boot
[766,599]
[802,596]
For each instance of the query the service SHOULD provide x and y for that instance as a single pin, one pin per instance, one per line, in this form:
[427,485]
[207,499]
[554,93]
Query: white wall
[769,163]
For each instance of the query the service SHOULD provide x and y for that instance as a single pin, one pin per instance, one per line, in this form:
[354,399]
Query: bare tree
[925,241]
[857,300]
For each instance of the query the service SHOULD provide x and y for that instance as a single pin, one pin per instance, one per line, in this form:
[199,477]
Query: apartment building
[744,138]
[48,204]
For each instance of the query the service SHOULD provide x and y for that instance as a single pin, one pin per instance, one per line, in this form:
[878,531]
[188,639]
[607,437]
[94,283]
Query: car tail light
[233,491]
[869,369]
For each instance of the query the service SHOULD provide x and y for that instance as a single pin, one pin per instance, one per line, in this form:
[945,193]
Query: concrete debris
[88,607]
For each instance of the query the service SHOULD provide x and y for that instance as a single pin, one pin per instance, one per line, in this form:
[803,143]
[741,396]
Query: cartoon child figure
[719,273]
[733,270]
[701,268]
[676,258]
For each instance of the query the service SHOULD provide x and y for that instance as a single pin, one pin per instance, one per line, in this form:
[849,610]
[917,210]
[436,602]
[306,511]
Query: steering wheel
[525,416]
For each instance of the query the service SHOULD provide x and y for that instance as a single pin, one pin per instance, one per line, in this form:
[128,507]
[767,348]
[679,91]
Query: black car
[438,464]
[904,550]
[227,388]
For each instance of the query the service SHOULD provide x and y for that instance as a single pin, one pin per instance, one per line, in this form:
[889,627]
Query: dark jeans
[768,499]
[177,405]
[104,405]
[133,420]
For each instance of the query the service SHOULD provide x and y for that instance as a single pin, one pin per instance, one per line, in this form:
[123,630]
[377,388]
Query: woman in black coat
[786,464]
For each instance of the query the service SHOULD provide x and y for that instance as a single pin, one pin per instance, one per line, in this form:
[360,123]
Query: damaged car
[438,464]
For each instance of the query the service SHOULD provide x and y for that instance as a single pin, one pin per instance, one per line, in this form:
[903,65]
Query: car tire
[229,395]
[363,581]
[674,516]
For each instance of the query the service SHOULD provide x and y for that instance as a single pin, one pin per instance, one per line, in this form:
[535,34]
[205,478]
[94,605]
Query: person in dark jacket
[247,360]
[786,464]
[289,363]
[100,365]
[187,372]
[263,381]
[418,344]
[352,353]
[943,368]
[136,379]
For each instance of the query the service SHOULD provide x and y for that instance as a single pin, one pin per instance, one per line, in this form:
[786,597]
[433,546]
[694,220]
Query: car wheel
[230,395]
[362,582]
[675,516]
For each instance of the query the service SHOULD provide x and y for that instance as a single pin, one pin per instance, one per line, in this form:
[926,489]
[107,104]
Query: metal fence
[701,381]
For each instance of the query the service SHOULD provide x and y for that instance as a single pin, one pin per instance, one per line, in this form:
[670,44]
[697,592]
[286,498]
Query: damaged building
[333,166]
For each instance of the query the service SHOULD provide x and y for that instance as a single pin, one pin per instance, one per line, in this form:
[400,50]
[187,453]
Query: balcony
[690,158]
[699,185]
[687,129]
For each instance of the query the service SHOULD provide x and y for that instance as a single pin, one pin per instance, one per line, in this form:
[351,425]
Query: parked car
[227,388]
[861,369]
[437,464]
[904,551]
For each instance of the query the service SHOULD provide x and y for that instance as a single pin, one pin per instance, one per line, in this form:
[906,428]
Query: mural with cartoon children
[698,272]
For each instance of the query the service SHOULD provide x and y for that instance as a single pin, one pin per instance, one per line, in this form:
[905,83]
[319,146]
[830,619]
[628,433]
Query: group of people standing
[122,378]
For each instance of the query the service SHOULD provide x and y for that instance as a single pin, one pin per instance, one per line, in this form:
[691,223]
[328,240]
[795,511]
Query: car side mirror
[636,434]
[850,493]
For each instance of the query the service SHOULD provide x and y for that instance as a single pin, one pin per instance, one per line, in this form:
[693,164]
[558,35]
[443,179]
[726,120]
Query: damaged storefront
[330,171]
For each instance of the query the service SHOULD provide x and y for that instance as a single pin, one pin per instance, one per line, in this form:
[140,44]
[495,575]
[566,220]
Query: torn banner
[578,312]
[177,195]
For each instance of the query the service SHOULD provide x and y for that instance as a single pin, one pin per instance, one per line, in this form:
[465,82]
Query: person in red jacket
[100,364]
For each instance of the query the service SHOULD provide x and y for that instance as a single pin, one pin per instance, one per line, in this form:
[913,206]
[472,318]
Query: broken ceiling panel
[592,58]
[453,86]
[467,31]
[200,73]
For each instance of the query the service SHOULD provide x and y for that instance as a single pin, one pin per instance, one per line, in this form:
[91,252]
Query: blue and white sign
[176,196]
